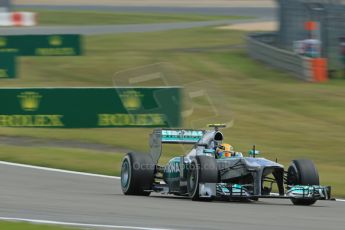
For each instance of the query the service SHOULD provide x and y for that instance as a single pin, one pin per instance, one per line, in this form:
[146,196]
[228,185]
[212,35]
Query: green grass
[52,17]
[286,118]
[64,158]
[20,226]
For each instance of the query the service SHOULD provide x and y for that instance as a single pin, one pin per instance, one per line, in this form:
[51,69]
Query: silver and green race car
[201,176]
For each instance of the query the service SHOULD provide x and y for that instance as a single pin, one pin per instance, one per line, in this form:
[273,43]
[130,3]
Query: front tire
[303,172]
[137,174]
[203,169]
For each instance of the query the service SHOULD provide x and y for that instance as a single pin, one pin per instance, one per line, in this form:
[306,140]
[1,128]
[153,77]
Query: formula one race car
[205,175]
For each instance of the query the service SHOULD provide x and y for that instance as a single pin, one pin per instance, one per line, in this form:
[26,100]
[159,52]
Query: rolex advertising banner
[7,65]
[41,45]
[90,107]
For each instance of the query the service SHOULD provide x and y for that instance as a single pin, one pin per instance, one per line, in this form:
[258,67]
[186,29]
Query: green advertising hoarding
[41,45]
[7,65]
[90,107]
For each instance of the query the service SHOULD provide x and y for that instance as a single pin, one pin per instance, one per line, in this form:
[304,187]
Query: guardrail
[261,47]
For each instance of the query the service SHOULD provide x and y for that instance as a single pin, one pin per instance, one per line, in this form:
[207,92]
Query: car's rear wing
[172,136]
[181,136]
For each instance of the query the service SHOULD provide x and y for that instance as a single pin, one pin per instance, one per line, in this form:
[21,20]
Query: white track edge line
[57,170]
[35,221]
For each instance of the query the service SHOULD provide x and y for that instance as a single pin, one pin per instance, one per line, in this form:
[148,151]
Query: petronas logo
[55,41]
[3,42]
[30,101]
[131,99]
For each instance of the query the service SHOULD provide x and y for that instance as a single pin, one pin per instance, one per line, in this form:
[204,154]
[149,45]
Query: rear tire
[303,172]
[203,169]
[137,174]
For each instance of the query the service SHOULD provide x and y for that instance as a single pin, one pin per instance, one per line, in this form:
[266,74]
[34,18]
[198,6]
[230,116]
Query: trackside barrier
[7,65]
[319,67]
[261,47]
[18,19]
[96,107]
[35,45]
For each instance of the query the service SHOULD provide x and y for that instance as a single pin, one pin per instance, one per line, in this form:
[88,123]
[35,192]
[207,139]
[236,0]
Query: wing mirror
[253,152]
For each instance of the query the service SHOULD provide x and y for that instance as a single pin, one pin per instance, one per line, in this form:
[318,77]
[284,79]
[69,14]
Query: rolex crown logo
[3,42]
[131,99]
[55,40]
[29,101]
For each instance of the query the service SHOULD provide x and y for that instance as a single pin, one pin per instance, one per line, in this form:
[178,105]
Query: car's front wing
[236,191]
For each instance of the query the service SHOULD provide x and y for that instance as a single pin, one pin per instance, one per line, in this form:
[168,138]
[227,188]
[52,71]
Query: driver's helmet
[224,150]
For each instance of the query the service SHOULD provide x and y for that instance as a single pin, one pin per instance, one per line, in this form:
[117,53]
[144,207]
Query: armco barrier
[261,47]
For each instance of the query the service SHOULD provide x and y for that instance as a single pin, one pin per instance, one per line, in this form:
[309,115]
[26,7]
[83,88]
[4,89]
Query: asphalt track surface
[97,202]
[260,14]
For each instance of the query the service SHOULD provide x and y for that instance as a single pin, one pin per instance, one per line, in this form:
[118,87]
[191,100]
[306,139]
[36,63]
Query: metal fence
[330,14]
[262,47]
